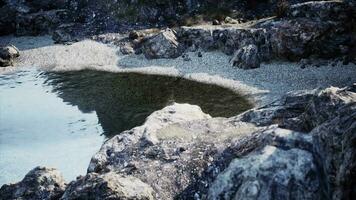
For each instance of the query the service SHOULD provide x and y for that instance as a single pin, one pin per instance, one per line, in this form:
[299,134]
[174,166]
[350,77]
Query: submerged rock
[7,55]
[163,45]
[40,183]
[108,186]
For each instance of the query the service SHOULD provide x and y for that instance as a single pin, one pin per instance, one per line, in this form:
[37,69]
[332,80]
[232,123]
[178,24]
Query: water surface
[61,119]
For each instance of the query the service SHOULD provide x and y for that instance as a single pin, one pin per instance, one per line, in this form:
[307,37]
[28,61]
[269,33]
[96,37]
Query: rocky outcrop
[271,173]
[321,29]
[40,183]
[108,186]
[8,55]
[162,45]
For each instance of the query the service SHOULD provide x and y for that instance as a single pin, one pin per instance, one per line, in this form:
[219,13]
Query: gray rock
[126,48]
[40,183]
[335,151]
[246,57]
[216,22]
[229,20]
[108,186]
[39,23]
[163,45]
[271,173]
[7,55]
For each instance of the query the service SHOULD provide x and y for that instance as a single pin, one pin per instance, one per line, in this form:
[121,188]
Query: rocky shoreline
[300,146]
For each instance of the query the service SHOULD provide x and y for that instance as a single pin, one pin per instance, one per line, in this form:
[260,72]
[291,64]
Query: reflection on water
[123,101]
[61,119]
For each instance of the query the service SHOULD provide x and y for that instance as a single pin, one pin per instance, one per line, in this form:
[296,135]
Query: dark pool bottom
[61,119]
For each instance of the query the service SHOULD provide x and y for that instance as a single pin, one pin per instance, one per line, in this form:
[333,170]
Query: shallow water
[61,119]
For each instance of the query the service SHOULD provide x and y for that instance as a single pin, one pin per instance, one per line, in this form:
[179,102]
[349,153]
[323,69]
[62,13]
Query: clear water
[61,119]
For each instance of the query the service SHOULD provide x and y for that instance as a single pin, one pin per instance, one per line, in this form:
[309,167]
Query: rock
[229,20]
[108,186]
[40,183]
[334,148]
[7,55]
[271,173]
[42,22]
[47,4]
[135,35]
[127,49]
[186,57]
[163,45]
[7,20]
[200,54]
[216,22]
[246,57]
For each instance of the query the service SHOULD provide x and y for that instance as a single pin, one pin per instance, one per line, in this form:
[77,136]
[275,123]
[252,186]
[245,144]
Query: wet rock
[246,57]
[163,45]
[40,183]
[108,186]
[271,173]
[7,55]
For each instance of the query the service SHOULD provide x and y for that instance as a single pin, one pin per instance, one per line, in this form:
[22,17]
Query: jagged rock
[40,183]
[163,45]
[271,173]
[329,115]
[108,186]
[170,151]
[334,147]
[246,57]
[7,55]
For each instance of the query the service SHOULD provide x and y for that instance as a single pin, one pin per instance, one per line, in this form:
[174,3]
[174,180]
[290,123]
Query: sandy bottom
[262,85]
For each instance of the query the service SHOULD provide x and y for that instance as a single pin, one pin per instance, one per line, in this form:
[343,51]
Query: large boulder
[7,55]
[108,186]
[334,140]
[329,115]
[163,45]
[271,173]
[40,183]
[182,142]
[246,57]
